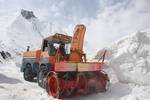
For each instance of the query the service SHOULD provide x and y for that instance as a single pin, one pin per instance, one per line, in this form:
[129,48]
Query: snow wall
[130,58]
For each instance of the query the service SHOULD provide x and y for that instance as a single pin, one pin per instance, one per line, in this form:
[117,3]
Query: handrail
[103,56]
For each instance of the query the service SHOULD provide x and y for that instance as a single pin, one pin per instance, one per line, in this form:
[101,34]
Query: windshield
[67,47]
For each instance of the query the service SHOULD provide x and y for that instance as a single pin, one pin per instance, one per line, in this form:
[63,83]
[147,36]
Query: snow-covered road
[14,87]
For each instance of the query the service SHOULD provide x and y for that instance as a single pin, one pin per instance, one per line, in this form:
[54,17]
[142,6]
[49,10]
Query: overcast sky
[106,20]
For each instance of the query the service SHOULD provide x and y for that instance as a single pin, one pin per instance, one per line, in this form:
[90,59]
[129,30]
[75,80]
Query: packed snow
[130,58]
[14,87]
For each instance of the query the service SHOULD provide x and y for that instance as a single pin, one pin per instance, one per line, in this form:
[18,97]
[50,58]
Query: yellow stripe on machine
[88,67]
[29,54]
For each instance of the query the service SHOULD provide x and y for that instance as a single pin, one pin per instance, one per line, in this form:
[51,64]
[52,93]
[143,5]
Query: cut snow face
[130,58]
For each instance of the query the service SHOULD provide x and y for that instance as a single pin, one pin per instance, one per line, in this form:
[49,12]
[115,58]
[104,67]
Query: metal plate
[89,66]
[63,67]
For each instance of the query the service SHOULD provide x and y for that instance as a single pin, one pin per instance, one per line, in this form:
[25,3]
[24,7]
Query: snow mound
[130,58]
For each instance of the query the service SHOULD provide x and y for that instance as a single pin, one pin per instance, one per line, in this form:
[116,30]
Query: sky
[106,20]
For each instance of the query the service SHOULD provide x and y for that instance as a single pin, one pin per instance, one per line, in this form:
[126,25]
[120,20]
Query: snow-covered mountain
[130,58]
[25,30]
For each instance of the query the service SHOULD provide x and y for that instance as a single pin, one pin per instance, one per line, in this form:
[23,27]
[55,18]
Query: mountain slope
[24,31]
[20,32]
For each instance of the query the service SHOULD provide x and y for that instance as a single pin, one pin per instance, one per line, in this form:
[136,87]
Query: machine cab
[56,47]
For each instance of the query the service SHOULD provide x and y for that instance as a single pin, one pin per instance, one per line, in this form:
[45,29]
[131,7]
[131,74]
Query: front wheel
[41,78]
[28,75]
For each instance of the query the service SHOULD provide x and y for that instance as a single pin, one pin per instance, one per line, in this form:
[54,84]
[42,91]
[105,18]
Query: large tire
[28,75]
[42,77]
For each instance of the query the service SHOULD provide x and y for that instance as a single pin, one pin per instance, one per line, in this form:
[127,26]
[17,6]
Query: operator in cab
[51,49]
[62,49]
[61,52]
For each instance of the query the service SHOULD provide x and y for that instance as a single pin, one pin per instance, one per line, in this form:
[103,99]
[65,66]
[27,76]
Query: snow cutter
[65,72]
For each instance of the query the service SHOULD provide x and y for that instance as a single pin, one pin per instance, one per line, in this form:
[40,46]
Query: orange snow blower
[65,72]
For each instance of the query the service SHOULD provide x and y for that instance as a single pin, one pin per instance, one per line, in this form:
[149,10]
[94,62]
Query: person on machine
[62,49]
[28,48]
[52,50]
[61,52]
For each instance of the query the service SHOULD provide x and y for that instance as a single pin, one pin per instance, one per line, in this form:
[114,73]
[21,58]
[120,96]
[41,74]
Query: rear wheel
[28,75]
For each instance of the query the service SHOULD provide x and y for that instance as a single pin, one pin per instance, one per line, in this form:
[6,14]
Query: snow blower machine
[61,66]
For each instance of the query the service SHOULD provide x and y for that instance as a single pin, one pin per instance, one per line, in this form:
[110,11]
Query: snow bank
[130,58]
[138,93]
